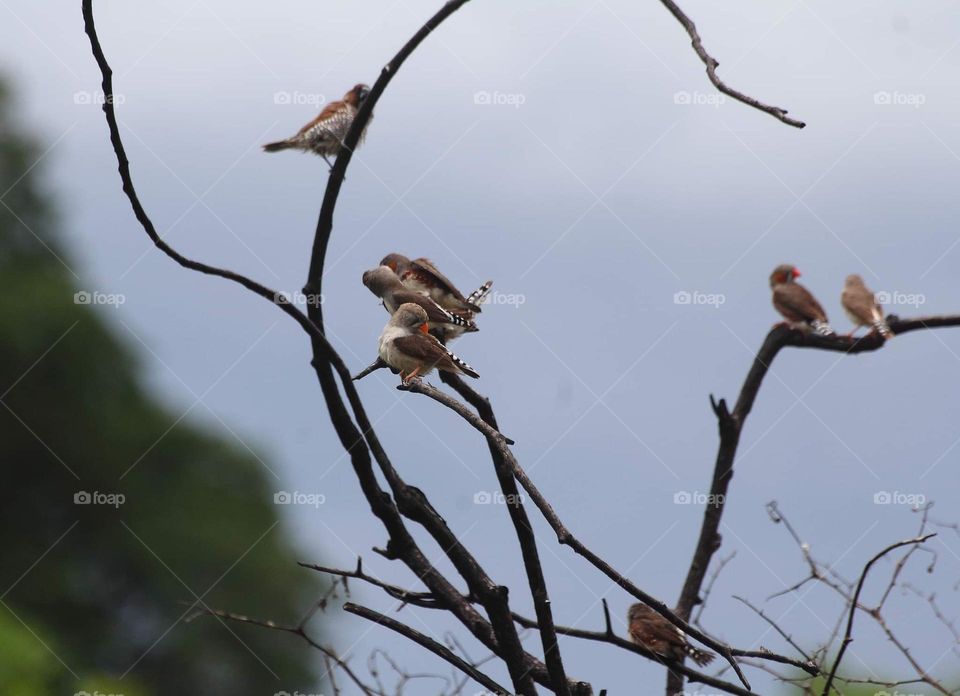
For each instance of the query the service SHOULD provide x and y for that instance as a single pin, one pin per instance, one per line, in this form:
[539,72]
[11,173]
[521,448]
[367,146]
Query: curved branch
[430,644]
[848,634]
[429,601]
[564,536]
[712,64]
[525,536]
[731,424]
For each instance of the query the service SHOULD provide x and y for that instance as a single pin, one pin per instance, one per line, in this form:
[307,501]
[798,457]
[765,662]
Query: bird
[657,634]
[797,305]
[406,345]
[420,275]
[386,285]
[862,307]
[324,135]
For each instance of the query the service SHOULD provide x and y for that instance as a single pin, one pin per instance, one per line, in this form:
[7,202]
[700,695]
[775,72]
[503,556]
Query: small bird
[386,285]
[420,275]
[324,135]
[655,633]
[406,345]
[862,307]
[797,305]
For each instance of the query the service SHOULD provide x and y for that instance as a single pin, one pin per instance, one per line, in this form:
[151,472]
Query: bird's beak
[424,329]
[796,273]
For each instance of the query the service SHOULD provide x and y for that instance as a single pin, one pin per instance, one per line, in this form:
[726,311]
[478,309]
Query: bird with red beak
[795,303]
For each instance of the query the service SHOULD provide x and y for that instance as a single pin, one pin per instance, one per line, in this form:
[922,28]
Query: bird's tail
[465,323]
[701,657]
[883,328]
[278,146]
[479,296]
[822,328]
[463,367]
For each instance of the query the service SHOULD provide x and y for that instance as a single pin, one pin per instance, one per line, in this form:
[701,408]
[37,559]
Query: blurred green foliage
[94,596]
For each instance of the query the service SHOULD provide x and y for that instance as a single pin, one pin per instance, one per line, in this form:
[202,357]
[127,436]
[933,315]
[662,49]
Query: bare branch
[848,635]
[429,643]
[712,64]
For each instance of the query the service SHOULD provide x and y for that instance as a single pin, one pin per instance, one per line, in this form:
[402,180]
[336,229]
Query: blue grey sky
[604,177]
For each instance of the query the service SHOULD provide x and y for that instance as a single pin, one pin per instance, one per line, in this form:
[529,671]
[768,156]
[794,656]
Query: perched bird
[862,307]
[324,135]
[795,302]
[386,285]
[420,275]
[406,345]
[655,633]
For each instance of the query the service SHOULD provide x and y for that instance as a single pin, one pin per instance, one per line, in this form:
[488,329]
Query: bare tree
[483,608]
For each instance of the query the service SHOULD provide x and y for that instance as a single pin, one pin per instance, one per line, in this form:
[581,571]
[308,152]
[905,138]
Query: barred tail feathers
[479,296]
[881,326]
[822,328]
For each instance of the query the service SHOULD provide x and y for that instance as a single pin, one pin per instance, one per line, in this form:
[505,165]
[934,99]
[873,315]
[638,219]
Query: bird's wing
[332,113]
[435,313]
[796,303]
[429,351]
[862,305]
[424,265]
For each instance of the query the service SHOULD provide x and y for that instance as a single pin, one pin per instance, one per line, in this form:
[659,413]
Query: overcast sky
[604,177]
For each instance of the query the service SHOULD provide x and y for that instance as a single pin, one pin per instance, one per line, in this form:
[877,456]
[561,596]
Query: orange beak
[796,272]
[423,328]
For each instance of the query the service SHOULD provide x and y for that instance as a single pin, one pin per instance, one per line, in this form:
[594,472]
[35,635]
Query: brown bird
[406,345]
[655,633]
[861,306]
[386,285]
[420,275]
[324,135]
[797,305]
